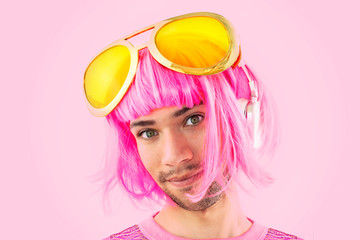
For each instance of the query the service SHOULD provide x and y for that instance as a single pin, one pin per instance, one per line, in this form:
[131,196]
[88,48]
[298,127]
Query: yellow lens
[105,75]
[197,42]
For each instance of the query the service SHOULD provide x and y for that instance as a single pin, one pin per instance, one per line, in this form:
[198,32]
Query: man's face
[170,142]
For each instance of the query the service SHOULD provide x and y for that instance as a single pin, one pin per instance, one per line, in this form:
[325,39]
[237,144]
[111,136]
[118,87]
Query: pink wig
[229,140]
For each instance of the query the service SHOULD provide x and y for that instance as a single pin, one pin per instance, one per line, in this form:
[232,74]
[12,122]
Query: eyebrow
[152,122]
[180,112]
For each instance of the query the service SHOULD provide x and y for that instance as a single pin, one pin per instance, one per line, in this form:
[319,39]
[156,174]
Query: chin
[185,203]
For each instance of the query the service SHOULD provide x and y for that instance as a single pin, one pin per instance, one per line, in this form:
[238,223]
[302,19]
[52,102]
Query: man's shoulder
[273,234]
[132,232]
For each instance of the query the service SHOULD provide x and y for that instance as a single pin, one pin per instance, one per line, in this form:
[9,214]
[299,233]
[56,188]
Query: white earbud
[243,104]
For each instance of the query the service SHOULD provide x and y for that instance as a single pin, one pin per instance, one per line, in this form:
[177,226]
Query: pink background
[306,51]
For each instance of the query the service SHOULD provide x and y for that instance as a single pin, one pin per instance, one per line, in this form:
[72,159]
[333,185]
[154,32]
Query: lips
[185,180]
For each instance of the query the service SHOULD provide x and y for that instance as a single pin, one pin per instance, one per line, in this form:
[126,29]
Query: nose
[177,148]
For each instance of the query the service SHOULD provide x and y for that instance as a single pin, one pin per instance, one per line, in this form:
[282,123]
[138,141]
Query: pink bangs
[228,136]
[155,87]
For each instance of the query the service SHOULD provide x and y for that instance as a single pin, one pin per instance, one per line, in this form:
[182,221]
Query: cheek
[149,157]
[197,141]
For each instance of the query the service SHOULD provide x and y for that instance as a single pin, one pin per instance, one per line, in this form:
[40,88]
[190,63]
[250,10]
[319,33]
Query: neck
[224,219]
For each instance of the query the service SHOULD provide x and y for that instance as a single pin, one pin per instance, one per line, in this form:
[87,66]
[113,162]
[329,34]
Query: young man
[190,119]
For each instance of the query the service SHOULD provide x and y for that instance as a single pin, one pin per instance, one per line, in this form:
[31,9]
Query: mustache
[163,176]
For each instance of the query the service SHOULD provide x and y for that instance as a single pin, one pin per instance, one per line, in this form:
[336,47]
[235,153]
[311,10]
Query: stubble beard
[212,196]
[213,193]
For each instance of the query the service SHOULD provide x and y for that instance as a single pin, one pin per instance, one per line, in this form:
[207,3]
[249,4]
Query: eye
[147,133]
[194,119]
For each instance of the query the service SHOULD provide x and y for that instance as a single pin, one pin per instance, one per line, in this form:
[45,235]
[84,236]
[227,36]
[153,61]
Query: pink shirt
[150,230]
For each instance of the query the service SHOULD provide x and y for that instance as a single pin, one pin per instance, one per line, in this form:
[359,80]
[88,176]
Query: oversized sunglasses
[173,43]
